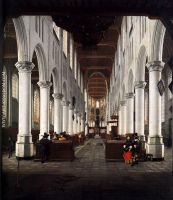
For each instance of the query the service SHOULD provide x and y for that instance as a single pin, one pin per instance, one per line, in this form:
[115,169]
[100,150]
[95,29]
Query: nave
[89,176]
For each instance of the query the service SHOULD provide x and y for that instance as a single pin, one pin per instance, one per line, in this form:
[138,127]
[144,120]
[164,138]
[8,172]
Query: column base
[24,147]
[155,147]
[143,141]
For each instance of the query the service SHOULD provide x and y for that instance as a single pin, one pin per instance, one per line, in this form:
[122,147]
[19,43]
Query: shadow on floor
[69,187]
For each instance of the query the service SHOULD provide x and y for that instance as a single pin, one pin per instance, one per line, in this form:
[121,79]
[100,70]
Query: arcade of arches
[53,83]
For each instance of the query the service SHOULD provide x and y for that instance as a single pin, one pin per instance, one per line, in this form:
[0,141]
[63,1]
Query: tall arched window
[36,106]
[81,82]
[163,107]
[146,105]
[42,30]
[65,42]
[78,74]
[51,107]
[36,24]
[71,53]
[57,30]
[15,86]
[75,65]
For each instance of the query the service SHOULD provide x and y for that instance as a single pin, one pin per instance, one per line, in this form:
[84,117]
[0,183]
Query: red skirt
[127,155]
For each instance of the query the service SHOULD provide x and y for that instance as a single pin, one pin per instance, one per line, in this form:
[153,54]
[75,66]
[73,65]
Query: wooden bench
[114,150]
[59,151]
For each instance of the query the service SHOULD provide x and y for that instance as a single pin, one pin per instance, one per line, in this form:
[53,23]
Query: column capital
[155,66]
[57,96]
[24,66]
[123,103]
[129,95]
[140,84]
[44,84]
[71,107]
[66,103]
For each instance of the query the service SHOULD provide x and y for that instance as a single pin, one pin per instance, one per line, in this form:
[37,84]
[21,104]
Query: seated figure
[55,136]
[62,136]
[127,151]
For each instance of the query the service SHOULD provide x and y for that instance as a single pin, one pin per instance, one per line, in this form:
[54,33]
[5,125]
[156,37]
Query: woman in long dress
[127,151]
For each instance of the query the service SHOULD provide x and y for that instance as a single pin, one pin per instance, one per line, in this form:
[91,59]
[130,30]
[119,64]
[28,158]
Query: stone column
[123,117]
[78,125]
[82,124]
[57,112]
[65,116]
[9,95]
[119,121]
[44,107]
[155,144]
[75,122]
[24,145]
[70,123]
[61,118]
[139,109]
[130,113]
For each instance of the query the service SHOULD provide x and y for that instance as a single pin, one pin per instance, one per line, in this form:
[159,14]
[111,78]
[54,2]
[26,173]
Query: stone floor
[88,177]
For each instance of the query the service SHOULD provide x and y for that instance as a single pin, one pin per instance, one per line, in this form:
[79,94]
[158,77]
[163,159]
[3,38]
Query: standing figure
[44,147]
[10,147]
[135,149]
[127,151]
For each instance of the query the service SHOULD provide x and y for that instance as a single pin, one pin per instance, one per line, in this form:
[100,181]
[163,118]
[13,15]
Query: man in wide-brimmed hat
[44,146]
[45,135]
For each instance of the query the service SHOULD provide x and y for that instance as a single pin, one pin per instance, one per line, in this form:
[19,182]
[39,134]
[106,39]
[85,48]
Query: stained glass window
[15,86]
[36,106]
[71,53]
[51,116]
[65,41]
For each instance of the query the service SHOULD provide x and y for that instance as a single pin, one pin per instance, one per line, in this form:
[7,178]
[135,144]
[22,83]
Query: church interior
[84,83]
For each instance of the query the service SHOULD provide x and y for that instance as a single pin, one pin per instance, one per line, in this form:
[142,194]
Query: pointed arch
[157,41]
[43,71]
[21,36]
[141,63]
[102,75]
[123,92]
[130,81]
[55,76]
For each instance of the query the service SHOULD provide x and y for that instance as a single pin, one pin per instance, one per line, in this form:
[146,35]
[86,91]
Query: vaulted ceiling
[96,62]
[95,26]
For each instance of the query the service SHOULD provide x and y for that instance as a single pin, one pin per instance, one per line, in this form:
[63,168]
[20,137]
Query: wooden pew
[103,135]
[59,151]
[114,150]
